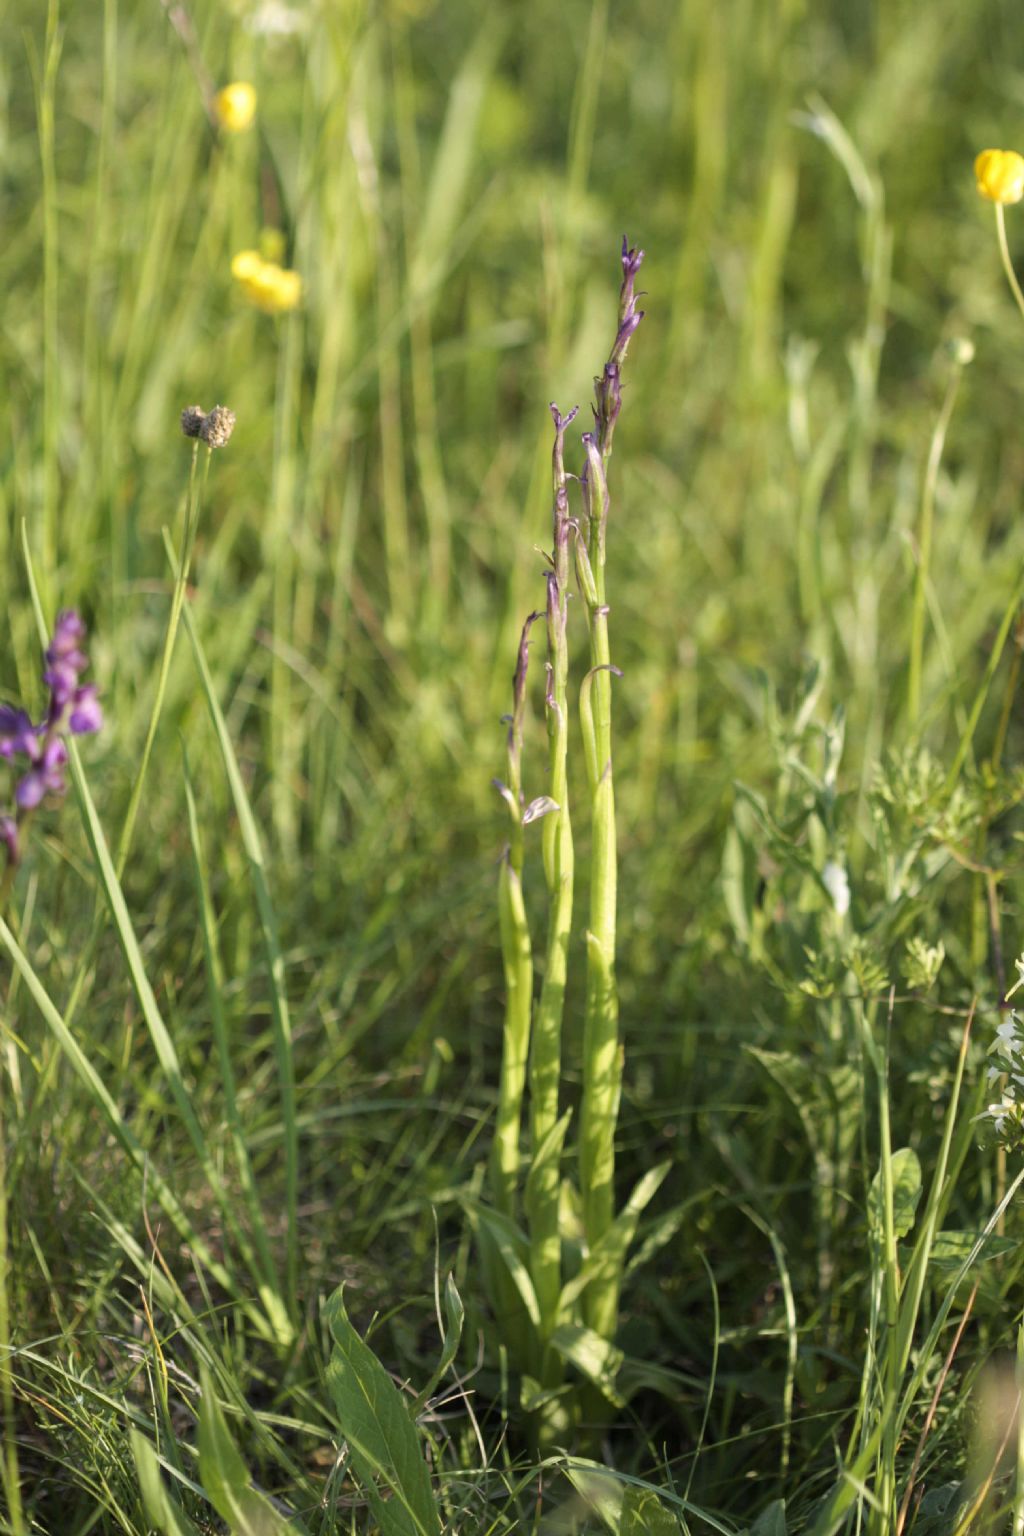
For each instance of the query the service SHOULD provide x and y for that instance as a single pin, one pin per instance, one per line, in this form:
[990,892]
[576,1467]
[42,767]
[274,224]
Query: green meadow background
[454,183]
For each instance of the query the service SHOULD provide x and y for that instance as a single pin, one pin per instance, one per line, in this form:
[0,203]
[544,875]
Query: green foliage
[375,1421]
[251,1009]
[225,1478]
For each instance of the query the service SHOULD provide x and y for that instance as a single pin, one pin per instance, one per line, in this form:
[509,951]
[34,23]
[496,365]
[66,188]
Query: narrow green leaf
[160,1507]
[510,1245]
[607,1258]
[374,1418]
[738,884]
[272,949]
[87,1073]
[455,1314]
[226,1480]
[262,1262]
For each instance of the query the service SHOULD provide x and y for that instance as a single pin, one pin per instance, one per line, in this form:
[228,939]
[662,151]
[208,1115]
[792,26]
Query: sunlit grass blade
[275,959]
[120,1128]
[270,1288]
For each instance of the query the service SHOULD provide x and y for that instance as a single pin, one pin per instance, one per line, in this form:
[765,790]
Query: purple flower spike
[86,714]
[73,707]
[631,259]
[17,733]
[67,632]
[46,777]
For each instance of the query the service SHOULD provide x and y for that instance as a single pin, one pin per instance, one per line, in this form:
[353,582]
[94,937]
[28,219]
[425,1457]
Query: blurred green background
[453,184]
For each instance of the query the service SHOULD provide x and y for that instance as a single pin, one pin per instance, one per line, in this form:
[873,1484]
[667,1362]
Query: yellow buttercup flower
[246,266]
[235,106]
[268,286]
[1000,175]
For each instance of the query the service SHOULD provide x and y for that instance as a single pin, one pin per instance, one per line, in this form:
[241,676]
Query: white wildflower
[837,884]
[1007,1116]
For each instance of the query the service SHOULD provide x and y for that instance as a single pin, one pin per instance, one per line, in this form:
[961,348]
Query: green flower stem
[10,1473]
[892,1363]
[924,544]
[602,1062]
[193,502]
[542,1197]
[602,1052]
[188,538]
[517,958]
[192,505]
[1018,1490]
[1004,252]
[1009,614]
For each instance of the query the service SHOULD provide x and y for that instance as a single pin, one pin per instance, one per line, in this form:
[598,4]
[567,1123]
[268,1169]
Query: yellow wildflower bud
[235,106]
[1000,175]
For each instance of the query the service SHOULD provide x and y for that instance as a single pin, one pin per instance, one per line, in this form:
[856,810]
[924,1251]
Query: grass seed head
[217,427]
[192,418]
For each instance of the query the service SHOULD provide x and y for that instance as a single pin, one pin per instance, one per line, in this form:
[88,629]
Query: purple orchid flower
[73,709]
[17,733]
[44,777]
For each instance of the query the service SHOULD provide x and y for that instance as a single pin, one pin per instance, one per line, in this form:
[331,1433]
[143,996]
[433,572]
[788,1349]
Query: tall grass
[253,991]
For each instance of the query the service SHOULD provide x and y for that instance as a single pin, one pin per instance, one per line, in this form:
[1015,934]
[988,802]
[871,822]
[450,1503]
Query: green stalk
[279,1011]
[188,537]
[602,1055]
[1018,1489]
[51,362]
[884,1516]
[259,1254]
[924,543]
[1004,253]
[193,503]
[517,957]
[10,1473]
[1009,614]
[602,1068]
[542,1196]
[279,551]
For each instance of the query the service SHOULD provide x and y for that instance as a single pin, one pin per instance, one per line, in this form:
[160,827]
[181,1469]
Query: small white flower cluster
[837,882]
[1008,1048]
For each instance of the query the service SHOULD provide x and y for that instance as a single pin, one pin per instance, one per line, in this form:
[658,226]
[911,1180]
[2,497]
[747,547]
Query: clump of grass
[273,1057]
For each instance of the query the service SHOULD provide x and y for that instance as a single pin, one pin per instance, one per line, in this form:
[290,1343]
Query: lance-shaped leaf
[384,1448]
[225,1477]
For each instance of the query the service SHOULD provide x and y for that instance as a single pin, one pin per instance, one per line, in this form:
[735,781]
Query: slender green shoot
[546,1050]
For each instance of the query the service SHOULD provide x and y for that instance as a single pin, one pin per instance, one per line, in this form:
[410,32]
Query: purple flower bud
[67,632]
[30,790]
[86,713]
[46,777]
[62,679]
[17,733]
[631,259]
